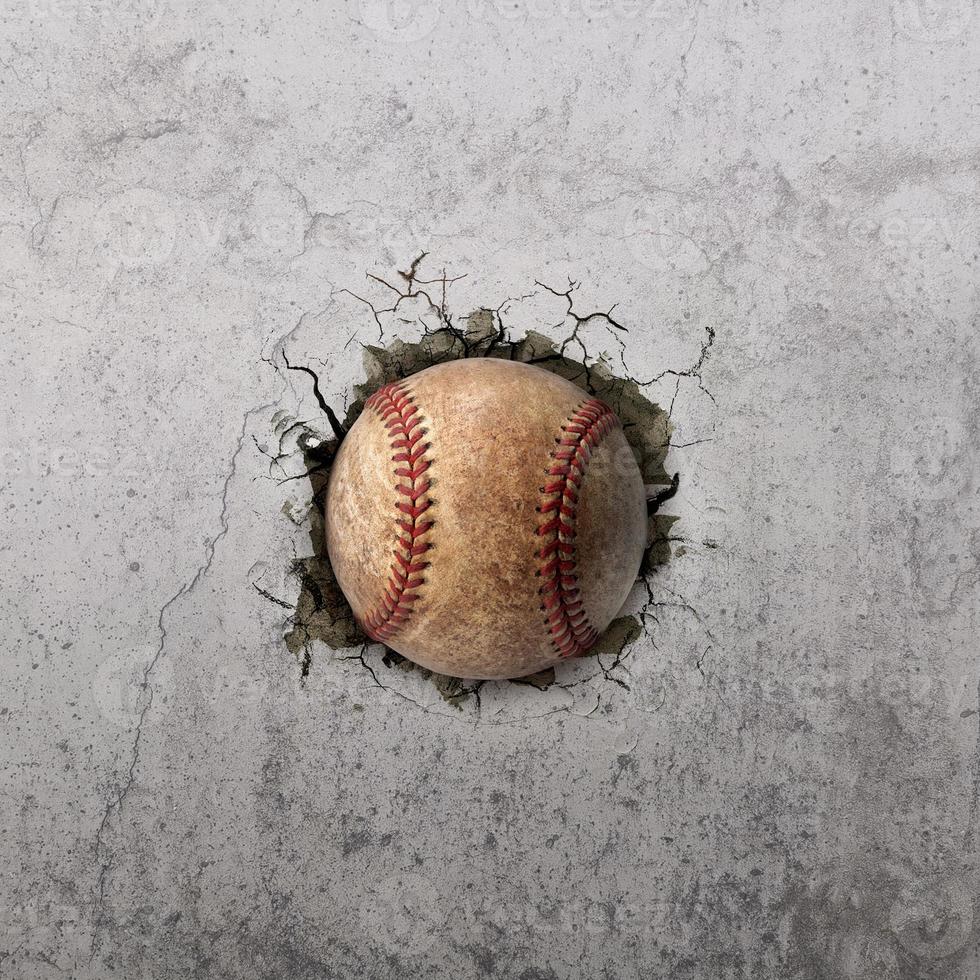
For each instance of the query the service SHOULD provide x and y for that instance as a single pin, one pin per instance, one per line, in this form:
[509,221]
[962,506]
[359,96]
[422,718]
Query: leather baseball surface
[485,518]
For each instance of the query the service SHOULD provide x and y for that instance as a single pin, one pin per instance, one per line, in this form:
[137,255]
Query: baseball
[485,518]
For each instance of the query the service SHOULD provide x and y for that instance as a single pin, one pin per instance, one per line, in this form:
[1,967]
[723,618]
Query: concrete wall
[781,778]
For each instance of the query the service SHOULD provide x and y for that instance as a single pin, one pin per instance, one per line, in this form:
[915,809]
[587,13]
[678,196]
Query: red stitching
[401,418]
[571,632]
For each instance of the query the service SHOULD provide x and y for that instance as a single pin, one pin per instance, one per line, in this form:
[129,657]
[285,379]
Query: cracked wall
[778,205]
[321,613]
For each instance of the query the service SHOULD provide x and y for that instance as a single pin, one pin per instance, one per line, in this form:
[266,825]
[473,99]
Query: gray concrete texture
[780,779]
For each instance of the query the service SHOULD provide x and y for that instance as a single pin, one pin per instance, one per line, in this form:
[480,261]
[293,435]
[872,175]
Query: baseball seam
[561,601]
[401,418]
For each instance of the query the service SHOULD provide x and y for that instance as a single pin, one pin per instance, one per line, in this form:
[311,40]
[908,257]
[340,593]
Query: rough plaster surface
[783,783]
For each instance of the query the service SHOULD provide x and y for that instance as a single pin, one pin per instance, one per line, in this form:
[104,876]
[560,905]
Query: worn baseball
[485,518]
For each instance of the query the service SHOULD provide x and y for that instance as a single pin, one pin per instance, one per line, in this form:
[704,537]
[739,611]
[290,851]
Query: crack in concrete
[148,131]
[581,321]
[453,690]
[115,805]
[410,277]
[321,401]
[266,594]
[694,371]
